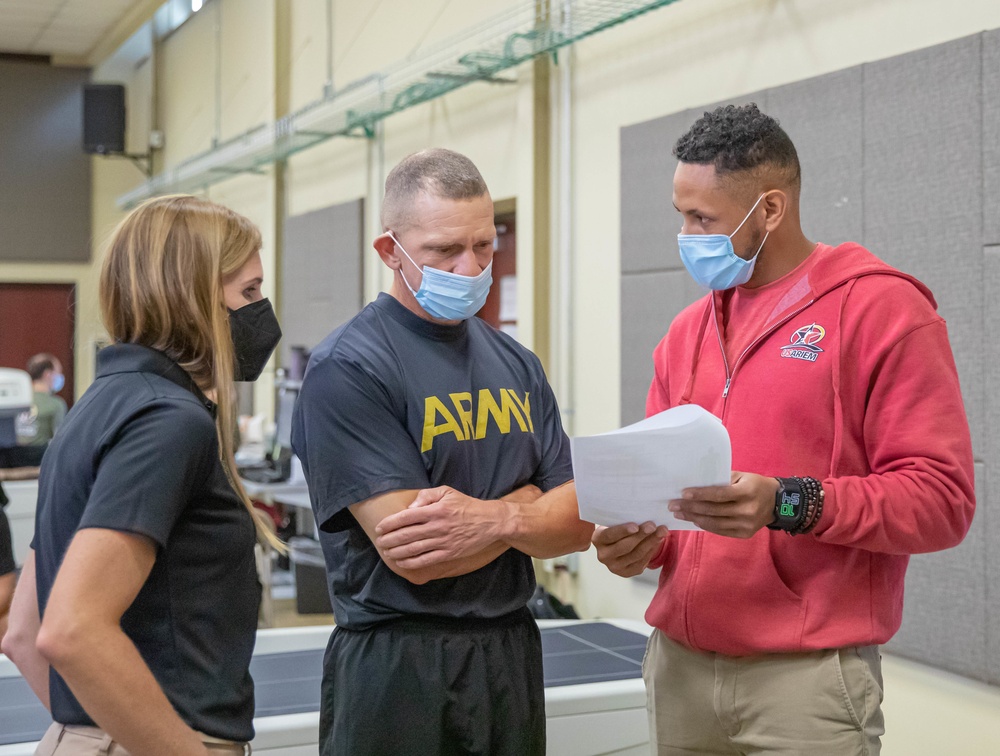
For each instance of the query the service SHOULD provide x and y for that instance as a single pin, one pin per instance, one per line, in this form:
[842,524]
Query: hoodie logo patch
[803,343]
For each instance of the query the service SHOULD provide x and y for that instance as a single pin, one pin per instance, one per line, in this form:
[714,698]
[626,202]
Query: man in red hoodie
[833,374]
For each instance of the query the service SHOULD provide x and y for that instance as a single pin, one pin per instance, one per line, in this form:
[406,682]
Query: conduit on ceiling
[479,53]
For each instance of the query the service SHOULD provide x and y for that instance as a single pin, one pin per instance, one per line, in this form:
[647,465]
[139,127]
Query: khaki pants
[77,740]
[824,703]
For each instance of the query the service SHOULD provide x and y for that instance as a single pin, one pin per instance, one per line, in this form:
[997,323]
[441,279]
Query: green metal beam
[502,43]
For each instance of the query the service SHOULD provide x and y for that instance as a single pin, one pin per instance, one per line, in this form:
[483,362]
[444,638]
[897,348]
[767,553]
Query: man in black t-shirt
[427,439]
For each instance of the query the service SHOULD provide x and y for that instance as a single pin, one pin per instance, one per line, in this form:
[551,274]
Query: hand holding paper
[627,549]
[630,475]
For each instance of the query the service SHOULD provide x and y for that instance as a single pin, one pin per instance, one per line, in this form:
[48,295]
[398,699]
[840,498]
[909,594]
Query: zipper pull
[725,391]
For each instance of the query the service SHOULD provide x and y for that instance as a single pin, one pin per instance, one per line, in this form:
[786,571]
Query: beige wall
[490,123]
[677,57]
[187,82]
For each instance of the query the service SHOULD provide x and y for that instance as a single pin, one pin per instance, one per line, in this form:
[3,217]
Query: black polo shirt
[391,401]
[138,453]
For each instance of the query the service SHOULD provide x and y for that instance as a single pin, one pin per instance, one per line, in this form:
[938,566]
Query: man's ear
[385,245]
[775,204]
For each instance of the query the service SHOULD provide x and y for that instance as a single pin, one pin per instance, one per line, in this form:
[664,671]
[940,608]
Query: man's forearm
[548,527]
[443,525]
[472,562]
[451,567]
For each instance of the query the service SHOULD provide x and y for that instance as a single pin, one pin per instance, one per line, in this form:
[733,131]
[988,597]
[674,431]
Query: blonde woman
[136,615]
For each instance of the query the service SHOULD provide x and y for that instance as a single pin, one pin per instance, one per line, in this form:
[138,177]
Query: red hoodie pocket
[740,604]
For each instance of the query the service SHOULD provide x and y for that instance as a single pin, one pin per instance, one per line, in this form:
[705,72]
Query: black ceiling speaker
[104,119]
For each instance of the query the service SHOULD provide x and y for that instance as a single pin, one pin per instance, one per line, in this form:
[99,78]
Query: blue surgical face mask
[58,381]
[449,296]
[711,260]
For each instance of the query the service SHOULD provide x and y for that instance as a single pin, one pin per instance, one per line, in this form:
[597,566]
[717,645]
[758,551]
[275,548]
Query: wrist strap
[798,505]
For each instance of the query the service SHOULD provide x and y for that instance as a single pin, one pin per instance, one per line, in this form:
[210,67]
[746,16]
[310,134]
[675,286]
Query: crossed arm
[440,532]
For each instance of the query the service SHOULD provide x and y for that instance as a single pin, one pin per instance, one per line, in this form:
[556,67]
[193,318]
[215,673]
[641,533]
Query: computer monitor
[284,408]
[16,396]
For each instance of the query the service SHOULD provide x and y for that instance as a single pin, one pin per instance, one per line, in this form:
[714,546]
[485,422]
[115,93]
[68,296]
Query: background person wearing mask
[833,374]
[142,571]
[49,409]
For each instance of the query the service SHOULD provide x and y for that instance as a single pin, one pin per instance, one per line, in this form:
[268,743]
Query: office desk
[595,700]
[290,494]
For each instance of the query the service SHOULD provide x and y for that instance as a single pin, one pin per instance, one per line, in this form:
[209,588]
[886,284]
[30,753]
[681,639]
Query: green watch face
[789,503]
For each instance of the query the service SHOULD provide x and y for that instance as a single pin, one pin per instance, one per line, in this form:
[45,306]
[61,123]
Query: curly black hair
[739,139]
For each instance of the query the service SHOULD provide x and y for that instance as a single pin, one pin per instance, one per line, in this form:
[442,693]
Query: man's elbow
[961,521]
[948,527]
[581,535]
[584,536]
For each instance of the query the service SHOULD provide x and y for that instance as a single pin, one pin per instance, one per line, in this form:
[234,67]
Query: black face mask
[255,333]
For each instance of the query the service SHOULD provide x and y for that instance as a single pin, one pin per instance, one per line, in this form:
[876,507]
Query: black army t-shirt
[391,401]
[138,453]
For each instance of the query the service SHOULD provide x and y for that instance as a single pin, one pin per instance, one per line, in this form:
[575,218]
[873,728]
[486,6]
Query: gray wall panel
[991,144]
[823,117]
[944,612]
[650,301]
[923,183]
[321,284]
[44,173]
[988,505]
[649,223]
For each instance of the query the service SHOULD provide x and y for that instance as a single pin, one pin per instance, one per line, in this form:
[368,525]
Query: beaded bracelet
[813,493]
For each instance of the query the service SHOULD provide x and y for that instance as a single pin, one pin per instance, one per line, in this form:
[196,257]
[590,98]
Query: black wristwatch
[789,505]
[798,505]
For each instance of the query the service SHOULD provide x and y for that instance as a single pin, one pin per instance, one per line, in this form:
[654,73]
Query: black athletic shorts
[428,686]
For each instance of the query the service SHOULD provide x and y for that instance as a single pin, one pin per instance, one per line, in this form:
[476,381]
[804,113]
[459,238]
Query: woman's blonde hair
[161,286]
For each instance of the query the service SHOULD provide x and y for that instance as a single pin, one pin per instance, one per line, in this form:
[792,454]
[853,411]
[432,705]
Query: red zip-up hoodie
[853,384]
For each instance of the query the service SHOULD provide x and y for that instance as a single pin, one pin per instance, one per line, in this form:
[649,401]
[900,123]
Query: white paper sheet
[630,474]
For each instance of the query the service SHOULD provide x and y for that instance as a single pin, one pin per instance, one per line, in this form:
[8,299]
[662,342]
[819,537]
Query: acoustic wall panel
[944,612]
[991,141]
[988,505]
[649,223]
[650,301]
[44,173]
[823,117]
[321,283]
[923,182]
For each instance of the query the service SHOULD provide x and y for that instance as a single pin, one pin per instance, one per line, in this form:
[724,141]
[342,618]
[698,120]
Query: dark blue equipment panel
[289,683]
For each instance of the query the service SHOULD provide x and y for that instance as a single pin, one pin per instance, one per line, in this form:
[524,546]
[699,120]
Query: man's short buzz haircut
[742,143]
[38,364]
[439,172]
